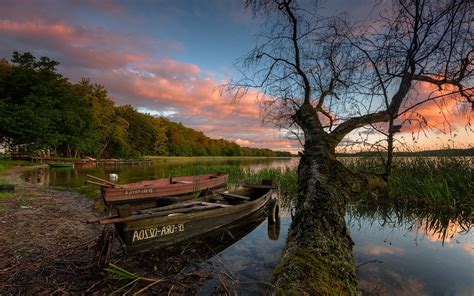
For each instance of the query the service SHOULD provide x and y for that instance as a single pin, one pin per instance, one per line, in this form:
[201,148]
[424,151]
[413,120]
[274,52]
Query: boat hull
[148,191]
[160,232]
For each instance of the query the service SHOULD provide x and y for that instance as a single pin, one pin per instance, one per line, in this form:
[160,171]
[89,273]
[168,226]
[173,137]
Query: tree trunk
[318,253]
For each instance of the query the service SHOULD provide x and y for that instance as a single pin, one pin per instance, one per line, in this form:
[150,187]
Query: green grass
[6,164]
[440,182]
[445,181]
[132,279]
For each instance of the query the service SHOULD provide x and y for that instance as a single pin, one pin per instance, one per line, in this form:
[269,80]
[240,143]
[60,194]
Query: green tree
[29,92]
[110,129]
[144,135]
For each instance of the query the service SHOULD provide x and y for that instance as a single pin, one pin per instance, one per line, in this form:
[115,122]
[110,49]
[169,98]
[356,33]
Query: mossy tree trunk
[318,255]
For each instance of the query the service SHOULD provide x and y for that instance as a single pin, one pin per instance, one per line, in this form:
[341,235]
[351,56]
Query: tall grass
[434,181]
[445,181]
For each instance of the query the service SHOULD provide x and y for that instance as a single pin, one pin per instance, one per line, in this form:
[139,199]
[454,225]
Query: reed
[132,279]
[446,181]
[431,181]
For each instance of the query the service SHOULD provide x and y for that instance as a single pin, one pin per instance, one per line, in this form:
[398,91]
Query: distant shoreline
[425,153]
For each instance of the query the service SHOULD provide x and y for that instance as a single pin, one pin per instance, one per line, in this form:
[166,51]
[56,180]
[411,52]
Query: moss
[306,270]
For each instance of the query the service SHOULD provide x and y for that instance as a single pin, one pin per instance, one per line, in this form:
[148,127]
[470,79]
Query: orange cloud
[450,232]
[443,113]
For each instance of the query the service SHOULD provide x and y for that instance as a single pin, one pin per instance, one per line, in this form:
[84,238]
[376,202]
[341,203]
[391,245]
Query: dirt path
[44,240]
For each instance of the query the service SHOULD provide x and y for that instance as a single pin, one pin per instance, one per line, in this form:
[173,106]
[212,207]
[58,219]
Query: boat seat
[182,182]
[234,196]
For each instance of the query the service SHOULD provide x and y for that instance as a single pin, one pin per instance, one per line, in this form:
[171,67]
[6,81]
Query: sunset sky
[168,58]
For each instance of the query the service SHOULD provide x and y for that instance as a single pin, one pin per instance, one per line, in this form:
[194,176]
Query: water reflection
[412,251]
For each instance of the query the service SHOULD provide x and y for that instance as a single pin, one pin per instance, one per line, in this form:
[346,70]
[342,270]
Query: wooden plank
[171,207]
[213,203]
[159,214]
[236,196]
[149,211]
[100,184]
[102,180]
[183,182]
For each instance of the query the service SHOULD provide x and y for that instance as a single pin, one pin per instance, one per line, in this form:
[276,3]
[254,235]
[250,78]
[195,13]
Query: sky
[166,58]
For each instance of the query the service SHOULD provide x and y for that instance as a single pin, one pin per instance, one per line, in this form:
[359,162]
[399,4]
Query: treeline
[41,110]
[425,153]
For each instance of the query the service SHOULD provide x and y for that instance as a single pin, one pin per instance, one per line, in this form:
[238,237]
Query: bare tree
[328,77]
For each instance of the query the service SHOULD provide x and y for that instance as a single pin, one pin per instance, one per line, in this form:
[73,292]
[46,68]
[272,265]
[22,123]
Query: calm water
[161,168]
[397,251]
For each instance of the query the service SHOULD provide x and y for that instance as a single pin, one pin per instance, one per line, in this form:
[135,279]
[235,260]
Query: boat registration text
[149,233]
[139,191]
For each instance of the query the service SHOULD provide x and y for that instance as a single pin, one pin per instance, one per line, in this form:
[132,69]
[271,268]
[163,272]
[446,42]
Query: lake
[398,251]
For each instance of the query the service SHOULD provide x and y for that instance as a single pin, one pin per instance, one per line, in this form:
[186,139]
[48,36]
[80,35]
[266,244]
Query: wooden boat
[165,226]
[61,164]
[85,163]
[148,192]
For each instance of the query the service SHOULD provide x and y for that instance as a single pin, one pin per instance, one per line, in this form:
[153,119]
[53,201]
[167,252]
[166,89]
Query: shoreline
[42,229]
[18,169]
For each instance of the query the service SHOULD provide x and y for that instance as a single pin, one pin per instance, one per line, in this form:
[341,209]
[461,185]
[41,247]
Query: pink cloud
[384,250]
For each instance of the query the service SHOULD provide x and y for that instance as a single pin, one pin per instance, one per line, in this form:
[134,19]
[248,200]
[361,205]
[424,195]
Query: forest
[40,110]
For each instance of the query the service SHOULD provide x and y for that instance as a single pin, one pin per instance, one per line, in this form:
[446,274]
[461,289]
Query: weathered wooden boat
[85,163]
[165,226]
[61,164]
[147,193]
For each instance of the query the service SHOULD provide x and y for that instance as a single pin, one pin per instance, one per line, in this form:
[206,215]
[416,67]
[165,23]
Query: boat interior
[213,200]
